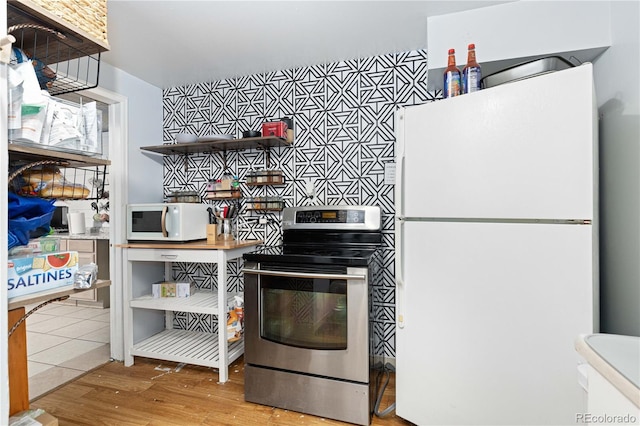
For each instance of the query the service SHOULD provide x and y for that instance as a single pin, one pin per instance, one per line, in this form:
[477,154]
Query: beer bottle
[452,77]
[471,74]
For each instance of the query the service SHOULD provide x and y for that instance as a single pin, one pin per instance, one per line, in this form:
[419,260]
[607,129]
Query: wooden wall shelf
[231,194]
[32,153]
[217,146]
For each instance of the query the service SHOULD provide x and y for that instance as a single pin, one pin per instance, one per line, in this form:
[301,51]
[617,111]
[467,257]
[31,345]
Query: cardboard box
[33,418]
[185,289]
[173,289]
[168,290]
[32,274]
[225,184]
[35,246]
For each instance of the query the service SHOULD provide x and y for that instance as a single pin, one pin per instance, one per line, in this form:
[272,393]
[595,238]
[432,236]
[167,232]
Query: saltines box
[31,274]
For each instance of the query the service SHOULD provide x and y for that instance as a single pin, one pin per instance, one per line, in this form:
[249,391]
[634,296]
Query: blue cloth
[28,215]
[38,67]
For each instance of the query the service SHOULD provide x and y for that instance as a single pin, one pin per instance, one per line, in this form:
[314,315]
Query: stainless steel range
[309,313]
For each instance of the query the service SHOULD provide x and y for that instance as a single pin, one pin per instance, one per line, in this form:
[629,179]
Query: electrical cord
[386,370]
[25,316]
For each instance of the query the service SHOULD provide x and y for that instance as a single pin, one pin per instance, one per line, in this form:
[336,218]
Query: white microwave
[167,221]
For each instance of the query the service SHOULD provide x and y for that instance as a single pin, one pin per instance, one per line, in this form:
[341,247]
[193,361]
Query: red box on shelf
[275,128]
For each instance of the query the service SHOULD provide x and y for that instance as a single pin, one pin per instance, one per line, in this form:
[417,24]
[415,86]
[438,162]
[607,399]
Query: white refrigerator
[496,252]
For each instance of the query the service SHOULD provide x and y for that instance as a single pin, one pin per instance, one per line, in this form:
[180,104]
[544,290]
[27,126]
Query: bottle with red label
[452,77]
[471,74]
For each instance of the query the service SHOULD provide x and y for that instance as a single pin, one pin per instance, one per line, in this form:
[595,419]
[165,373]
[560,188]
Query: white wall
[144,175]
[618,91]
[512,33]
[139,176]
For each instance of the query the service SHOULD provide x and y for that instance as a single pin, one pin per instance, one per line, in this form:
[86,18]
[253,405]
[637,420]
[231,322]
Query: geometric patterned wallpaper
[343,115]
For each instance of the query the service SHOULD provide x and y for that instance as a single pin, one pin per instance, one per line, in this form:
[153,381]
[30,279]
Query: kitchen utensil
[186,138]
[212,216]
[232,211]
[251,134]
[219,212]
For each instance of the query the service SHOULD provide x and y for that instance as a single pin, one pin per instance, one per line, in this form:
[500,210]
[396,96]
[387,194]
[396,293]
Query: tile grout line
[56,370]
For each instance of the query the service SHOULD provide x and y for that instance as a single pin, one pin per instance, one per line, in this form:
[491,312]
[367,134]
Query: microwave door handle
[163,222]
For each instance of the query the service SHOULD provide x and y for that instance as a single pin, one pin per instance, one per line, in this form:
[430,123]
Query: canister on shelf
[251,177]
[289,122]
[276,129]
[184,197]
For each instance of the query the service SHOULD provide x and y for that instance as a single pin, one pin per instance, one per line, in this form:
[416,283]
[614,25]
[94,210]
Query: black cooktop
[325,235]
[325,255]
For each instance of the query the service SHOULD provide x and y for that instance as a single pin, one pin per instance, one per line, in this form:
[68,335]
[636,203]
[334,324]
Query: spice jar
[184,197]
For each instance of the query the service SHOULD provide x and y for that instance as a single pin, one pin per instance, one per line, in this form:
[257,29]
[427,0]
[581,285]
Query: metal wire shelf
[55,179]
[64,63]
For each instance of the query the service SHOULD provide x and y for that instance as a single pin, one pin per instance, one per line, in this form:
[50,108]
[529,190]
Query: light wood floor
[153,392]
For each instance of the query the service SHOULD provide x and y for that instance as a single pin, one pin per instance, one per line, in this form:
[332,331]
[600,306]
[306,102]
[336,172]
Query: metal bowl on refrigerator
[525,70]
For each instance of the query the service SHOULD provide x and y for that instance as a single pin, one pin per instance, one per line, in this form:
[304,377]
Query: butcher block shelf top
[192,245]
[54,293]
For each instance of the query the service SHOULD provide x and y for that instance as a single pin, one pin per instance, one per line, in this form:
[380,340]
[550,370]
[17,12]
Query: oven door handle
[303,274]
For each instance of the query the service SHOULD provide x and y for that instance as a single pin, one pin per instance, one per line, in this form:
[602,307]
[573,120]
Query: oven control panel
[366,218]
[330,216]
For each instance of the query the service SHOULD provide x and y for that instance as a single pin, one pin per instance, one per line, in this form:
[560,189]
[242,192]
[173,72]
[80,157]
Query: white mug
[76,223]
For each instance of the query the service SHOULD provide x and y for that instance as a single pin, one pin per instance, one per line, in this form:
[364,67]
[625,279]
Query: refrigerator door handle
[399,222]
[399,189]
[400,291]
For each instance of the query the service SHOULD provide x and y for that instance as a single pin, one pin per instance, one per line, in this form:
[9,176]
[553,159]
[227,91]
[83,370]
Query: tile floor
[64,342]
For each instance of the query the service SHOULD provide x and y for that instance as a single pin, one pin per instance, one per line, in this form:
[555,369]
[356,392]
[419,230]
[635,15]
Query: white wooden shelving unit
[148,321]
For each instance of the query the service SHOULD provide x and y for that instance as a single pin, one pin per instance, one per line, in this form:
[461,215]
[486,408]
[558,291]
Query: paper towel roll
[76,223]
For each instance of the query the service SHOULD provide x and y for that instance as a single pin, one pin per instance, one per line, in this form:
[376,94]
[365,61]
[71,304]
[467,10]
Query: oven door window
[304,312]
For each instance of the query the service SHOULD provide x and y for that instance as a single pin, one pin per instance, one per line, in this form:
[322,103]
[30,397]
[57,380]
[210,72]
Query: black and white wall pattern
[343,116]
